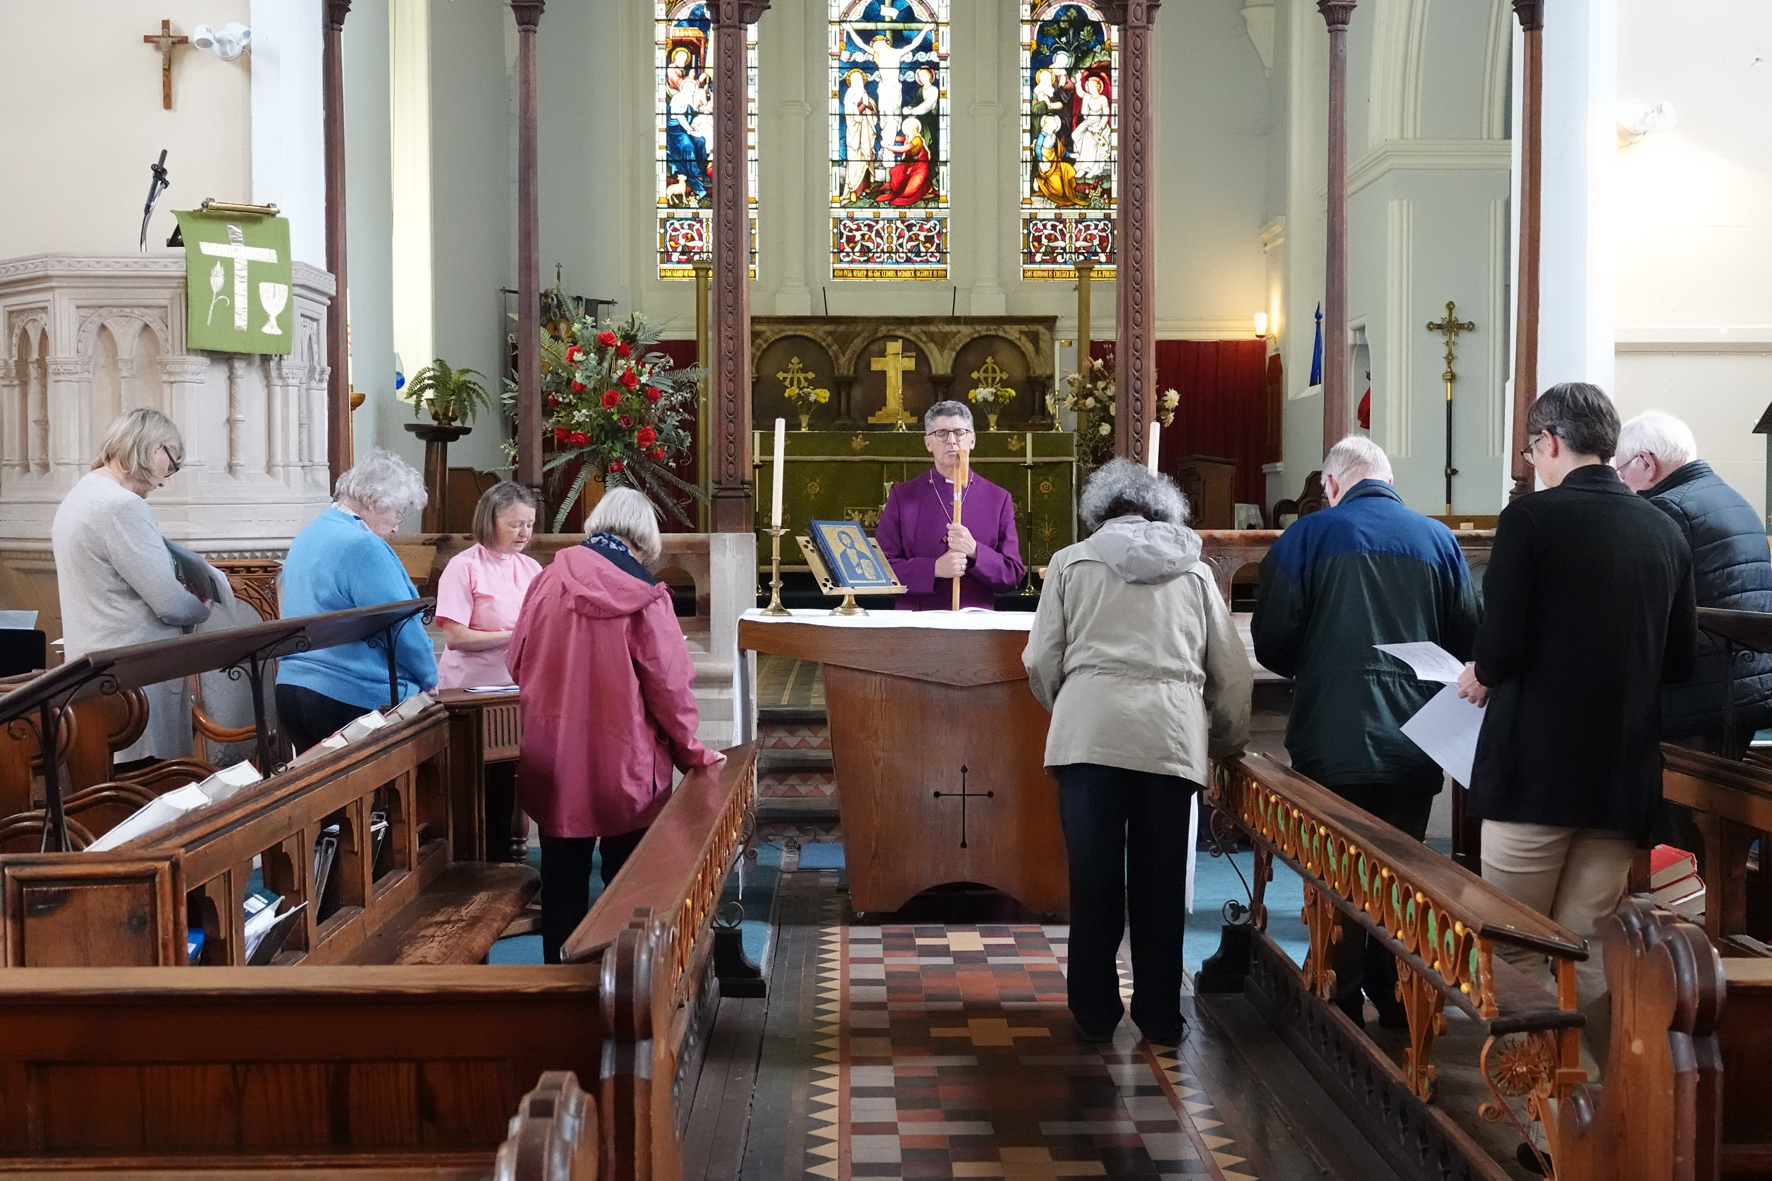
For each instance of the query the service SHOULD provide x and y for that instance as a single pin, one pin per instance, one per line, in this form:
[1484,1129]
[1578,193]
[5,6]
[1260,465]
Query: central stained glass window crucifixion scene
[1070,135]
[889,139]
[684,117]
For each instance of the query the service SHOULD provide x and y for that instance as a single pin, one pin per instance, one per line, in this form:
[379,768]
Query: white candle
[1150,451]
[781,442]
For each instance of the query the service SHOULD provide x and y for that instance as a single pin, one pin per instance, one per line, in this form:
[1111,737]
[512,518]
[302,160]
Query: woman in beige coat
[1134,652]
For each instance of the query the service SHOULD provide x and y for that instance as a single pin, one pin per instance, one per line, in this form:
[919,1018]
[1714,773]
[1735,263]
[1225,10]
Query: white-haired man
[1367,570]
[1731,567]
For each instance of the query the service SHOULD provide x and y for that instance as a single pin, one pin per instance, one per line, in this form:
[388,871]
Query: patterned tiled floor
[947,1051]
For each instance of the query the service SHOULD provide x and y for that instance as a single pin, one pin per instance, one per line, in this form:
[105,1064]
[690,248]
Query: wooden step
[791,715]
[802,810]
[792,762]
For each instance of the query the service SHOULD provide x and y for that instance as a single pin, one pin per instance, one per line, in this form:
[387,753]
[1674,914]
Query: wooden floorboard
[720,1116]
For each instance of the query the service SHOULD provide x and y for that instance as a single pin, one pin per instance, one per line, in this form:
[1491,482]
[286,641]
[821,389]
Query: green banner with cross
[239,282]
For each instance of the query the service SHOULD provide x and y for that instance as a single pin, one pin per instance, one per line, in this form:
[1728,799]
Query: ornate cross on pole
[1450,327]
[896,363]
[963,795]
[164,42]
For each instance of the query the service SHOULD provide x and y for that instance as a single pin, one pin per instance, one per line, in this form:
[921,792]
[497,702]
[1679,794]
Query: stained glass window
[889,139]
[685,123]
[1070,138]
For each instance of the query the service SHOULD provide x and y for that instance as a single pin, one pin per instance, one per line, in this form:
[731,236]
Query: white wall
[83,122]
[288,120]
[369,232]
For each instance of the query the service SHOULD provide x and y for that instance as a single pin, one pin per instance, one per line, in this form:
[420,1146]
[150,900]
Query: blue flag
[1317,351]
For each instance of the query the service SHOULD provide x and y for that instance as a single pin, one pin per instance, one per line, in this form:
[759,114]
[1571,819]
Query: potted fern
[451,395]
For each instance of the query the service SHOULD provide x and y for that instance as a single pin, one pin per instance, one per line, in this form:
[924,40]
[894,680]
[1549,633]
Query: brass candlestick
[775,607]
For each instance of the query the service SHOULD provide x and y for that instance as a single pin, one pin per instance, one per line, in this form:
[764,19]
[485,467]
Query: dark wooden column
[1135,347]
[731,390]
[528,14]
[1531,14]
[1336,14]
[338,341]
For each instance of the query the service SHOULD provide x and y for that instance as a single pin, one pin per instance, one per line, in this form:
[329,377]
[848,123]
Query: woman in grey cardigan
[1134,652]
[115,571]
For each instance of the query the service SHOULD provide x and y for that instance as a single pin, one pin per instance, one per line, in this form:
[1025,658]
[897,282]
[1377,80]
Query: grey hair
[946,410]
[1121,488]
[1661,435]
[1357,456]
[627,513]
[1580,414]
[383,482]
[134,437]
[494,501]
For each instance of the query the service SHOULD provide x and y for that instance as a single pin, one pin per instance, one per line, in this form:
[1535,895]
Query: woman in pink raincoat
[608,714]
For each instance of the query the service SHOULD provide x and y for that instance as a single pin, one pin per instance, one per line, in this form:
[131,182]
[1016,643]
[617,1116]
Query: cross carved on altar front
[963,795]
[895,364]
[164,41]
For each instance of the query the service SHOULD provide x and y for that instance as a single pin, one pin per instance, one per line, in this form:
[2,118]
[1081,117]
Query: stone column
[14,381]
[338,346]
[1336,14]
[528,14]
[1531,14]
[1135,353]
[731,400]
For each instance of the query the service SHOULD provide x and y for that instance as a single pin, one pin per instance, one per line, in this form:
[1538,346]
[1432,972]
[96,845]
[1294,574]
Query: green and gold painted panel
[845,475]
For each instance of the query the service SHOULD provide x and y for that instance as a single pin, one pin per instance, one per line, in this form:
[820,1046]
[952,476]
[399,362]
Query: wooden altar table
[939,747]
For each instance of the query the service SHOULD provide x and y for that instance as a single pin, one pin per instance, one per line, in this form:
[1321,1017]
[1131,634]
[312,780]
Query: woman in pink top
[481,590]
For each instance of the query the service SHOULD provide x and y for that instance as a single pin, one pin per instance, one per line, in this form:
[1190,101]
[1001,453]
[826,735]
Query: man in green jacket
[1365,571]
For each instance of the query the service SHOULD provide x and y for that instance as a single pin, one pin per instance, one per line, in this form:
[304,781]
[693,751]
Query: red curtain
[1223,409]
[682,355]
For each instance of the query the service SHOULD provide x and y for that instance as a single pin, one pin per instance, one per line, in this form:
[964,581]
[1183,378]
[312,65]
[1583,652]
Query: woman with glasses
[930,544]
[115,572]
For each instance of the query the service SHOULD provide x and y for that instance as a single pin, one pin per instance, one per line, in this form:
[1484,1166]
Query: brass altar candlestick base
[775,607]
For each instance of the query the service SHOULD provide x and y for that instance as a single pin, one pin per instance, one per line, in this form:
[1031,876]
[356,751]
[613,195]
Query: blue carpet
[822,856]
[1215,882]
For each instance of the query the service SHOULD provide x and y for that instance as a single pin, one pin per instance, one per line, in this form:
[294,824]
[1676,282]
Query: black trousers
[1363,962]
[308,717]
[1126,835]
[566,882]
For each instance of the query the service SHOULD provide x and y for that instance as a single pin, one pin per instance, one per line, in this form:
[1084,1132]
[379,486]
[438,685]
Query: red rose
[578,387]
[606,339]
[652,393]
[647,437]
[623,351]
[630,379]
[573,354]
[658,453]
[561,434]
[553,399]
[615,465]
[610,398]
[626,421]
[579,438]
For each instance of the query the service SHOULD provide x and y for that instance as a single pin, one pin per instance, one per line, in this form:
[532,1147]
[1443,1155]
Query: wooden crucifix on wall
[165,42]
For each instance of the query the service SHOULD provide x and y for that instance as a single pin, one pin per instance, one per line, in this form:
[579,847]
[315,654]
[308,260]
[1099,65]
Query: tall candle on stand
[781,442]
[962,474]
[1150,451]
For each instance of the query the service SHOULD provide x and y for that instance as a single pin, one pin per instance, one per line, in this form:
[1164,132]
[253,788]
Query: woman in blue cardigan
[342,560]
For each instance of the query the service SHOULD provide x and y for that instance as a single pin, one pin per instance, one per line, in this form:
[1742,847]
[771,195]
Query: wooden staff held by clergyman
[961,474]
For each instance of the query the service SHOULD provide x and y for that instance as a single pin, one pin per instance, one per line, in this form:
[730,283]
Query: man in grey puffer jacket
[1135,654]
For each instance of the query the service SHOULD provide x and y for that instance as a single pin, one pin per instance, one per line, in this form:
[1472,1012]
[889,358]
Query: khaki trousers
[1572,876]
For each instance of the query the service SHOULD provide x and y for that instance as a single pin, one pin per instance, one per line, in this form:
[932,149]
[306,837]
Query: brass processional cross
[164,41]
[1450,327]
[895,364]
[963,795]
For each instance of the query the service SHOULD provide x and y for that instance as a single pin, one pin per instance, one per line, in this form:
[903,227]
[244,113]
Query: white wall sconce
[1261,325]
[1636,120]
[227,42]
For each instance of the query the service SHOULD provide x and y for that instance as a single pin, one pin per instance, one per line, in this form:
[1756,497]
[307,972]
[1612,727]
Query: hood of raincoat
[597,588]
[1144,552]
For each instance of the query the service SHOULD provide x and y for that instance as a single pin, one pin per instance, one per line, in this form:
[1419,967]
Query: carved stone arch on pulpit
[24,393]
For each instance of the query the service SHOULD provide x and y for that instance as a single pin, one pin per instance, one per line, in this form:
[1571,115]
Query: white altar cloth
[1005,621]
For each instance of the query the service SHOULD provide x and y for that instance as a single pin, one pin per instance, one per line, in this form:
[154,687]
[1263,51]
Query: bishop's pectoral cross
[1450,327]
[164,41]
[963,795]
[895,364]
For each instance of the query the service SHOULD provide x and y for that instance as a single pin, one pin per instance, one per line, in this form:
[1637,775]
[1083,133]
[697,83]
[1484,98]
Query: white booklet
[152,817]
[1446,729]
[228,781]
[1428,660]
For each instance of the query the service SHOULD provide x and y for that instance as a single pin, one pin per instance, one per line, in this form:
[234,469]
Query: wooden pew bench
[1518,1039]
[1730,803]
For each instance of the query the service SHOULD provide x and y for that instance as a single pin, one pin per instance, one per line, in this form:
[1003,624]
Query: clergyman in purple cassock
[913,533]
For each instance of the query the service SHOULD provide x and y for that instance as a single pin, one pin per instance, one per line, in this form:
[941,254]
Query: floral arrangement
[807,397]
[1091,397]
[618,409]
[994,395]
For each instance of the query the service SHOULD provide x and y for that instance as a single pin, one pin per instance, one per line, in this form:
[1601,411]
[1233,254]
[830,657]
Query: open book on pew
[360,728]
[266,929]
[165,809]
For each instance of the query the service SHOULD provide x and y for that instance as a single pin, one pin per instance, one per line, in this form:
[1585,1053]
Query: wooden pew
[1731,804]
[1444,924]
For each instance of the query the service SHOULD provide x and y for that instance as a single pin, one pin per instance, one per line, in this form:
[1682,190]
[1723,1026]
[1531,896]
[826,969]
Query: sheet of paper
[150,817]
[491,689]
[228,781]
[1429,661]
[1446,730]
[23,621]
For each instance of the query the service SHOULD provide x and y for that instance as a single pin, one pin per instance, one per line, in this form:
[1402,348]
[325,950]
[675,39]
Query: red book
[1668,865]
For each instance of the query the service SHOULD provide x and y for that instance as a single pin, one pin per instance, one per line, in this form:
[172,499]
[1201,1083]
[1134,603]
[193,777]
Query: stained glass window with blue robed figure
[889,139]
[1069,138]
[684,117]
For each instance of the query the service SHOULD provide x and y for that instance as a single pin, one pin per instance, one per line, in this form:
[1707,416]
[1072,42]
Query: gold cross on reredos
[991,375]
[895,364]
[795,378]
[165,42]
